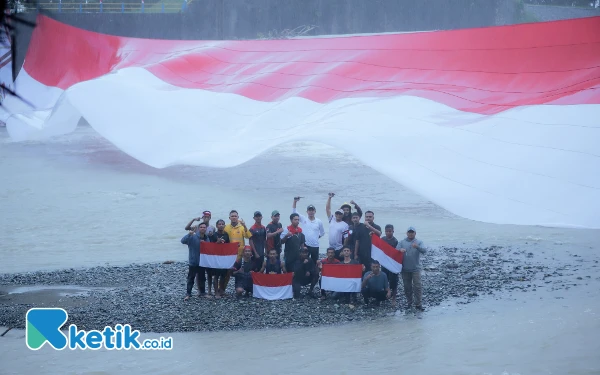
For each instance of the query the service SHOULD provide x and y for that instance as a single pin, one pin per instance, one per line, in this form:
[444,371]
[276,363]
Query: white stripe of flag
[272,286]
[218,255]
[341,277]
[387,256]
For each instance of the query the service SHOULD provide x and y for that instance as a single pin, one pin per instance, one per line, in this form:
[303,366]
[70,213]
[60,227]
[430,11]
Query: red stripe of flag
[272,280]
[387,249]
[345,271]
[213,248]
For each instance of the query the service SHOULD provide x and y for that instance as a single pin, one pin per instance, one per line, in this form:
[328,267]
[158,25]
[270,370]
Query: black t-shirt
[361,233]
[393,242]
[259,238]
[275,241]
[292,247]
[216,236]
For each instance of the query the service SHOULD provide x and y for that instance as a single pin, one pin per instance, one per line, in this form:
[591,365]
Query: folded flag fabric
[341,277]
[272,286]
[218,255]
[387,256]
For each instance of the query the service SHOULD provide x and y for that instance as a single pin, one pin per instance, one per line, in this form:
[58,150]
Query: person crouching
[375,285]
[305,273]
[242,271]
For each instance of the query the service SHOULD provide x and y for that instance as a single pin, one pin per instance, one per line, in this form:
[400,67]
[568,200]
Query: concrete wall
[543,13]
[246,19]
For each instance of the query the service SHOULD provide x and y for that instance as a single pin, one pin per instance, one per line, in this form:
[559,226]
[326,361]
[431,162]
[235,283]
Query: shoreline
[150,296]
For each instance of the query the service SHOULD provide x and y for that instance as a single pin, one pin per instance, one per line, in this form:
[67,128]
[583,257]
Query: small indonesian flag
[341,277]
[218,255]
[272,286]
[387,256]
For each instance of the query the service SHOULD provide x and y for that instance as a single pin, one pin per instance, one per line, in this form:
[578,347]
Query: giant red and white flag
[218,255]
[341,277]
[387,256]
[456,99]
[271,287]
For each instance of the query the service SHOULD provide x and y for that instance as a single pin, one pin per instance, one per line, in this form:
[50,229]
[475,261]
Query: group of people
[349,243]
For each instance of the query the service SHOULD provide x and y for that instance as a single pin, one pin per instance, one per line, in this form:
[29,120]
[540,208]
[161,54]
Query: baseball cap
[346,204]
[275,212]
[310,207]
[257,213]
[411,229]
[206,213]
[339,212]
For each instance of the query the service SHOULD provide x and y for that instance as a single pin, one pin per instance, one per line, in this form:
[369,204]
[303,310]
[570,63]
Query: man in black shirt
[274,229]
[392,277]
[218,275]
[359,242]
[294,240]
[347,209]
[305,273]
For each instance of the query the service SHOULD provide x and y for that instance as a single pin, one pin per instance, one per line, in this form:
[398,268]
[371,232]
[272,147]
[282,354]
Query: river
[77,201]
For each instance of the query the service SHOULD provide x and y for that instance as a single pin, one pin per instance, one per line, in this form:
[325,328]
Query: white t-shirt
[313,230]
[336,231]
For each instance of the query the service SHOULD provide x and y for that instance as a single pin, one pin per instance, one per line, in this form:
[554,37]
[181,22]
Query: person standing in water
[194,240]
[411,268]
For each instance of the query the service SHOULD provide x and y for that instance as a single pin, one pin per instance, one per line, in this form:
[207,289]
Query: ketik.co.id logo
[44,324]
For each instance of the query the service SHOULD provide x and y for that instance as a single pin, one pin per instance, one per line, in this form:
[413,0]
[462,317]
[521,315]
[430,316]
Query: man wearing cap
[347,209]
[411,269]
[337,227]
[258,239]
[205,218]
[274,229]
[312,228]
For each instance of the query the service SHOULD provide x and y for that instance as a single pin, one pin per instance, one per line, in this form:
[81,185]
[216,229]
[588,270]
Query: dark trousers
[192,272]
[299,281]
[393,278]
[289,264]
[365,260]
[412,285]
[379,295]
[314,253]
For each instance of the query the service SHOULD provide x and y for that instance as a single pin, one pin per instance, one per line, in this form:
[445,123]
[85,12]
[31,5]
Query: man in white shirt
[312,228]
[337,227]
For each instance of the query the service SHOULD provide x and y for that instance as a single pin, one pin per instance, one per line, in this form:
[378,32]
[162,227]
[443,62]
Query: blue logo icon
[43,325]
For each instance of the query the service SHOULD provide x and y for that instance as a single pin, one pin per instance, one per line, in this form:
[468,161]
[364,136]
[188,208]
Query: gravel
[150,296]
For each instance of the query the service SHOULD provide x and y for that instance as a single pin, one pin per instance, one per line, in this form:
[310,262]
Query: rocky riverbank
[150,296]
